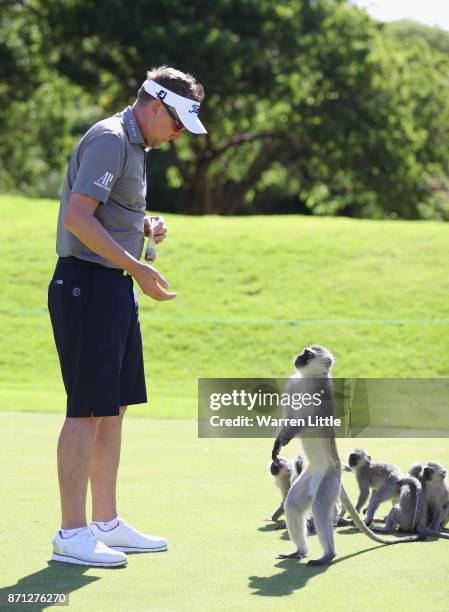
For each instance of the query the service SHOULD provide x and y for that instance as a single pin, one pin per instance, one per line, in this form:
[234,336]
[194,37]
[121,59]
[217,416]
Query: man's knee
[81,423]
[115,419]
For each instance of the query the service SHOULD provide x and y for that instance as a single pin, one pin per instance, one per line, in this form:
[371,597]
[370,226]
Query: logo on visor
[195,108]
[104,180]
[161,94]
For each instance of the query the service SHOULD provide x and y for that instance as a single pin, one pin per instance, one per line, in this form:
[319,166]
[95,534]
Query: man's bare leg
[75,447]
[104,467]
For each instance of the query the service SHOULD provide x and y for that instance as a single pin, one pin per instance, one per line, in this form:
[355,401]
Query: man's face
[158,127]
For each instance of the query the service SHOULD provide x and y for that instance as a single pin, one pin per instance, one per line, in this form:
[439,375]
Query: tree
[271,71]
[41,112]
[310,104]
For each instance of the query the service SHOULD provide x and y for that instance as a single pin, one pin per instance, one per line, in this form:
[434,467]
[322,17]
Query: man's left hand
[159,228]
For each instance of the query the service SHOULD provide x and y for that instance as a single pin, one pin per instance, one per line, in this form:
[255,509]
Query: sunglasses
[178,125]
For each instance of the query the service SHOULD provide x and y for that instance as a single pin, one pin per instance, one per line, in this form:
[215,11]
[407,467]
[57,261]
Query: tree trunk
[231,200]
[197,200]
[201,198]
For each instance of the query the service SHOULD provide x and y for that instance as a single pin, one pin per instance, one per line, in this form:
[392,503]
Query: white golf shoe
[85,549]
[127,539]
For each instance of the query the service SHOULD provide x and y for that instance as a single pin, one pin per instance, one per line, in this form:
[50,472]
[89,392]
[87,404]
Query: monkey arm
[445,518]
[364,493]
[437,520]
[277,513]
[276,449]
[282,440]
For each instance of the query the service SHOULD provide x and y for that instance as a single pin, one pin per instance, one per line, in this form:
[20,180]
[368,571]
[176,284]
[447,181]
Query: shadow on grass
[273,527]
[55,578]
[297,573]
[295,576]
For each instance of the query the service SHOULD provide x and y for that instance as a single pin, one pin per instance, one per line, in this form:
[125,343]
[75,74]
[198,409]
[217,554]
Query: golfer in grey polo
[94,312]
[108,164]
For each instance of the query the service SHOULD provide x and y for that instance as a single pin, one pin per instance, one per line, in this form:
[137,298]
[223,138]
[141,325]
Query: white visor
[186,108]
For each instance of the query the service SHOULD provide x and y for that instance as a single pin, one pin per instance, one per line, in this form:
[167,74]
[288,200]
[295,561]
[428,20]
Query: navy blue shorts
[95,320]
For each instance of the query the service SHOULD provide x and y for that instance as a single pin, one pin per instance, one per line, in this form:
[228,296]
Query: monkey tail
[365,529]
[414,482]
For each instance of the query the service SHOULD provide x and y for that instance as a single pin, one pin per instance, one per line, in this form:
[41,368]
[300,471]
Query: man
[94,311]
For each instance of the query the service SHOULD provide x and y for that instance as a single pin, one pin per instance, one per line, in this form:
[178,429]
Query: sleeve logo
[104,180]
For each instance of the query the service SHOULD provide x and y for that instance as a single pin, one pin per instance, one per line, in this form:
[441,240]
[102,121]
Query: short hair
[181,83]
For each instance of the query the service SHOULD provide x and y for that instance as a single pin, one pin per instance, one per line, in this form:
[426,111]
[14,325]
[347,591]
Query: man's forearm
[90,232]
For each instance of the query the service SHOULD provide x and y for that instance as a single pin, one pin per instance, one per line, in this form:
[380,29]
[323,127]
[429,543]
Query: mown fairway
[252,291]
[209,498]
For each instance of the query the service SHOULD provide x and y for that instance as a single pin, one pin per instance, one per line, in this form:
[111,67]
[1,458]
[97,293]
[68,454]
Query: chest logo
[104,180]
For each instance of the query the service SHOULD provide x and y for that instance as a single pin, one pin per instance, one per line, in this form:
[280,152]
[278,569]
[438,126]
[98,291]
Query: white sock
[68,533]
[107,525]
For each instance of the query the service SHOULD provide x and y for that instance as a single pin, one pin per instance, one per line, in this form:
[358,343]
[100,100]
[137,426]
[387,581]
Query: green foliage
[39,135]
[411,33]
[311,106]
[42,113]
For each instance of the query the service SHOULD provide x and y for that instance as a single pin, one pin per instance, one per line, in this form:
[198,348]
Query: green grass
[252,291]
[209,498]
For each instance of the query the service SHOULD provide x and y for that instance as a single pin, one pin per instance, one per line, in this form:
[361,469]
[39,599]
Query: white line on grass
[28,312]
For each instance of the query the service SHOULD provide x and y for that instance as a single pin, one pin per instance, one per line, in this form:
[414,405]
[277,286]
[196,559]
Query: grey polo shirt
[108,164]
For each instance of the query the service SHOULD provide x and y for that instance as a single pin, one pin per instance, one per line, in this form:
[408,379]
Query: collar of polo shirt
[186,108]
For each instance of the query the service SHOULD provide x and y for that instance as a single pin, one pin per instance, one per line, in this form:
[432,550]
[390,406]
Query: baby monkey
[284,475]
[381,478]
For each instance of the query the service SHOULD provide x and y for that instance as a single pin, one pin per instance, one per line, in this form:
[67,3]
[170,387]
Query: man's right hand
[152,283]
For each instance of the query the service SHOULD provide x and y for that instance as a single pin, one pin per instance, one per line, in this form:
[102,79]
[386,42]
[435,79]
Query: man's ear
[156,106]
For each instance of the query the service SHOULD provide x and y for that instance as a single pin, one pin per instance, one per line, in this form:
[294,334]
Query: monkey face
[358,457]
[304,358]
[314,357]
[427,473]
[353,459]
[433,472]
[276,468]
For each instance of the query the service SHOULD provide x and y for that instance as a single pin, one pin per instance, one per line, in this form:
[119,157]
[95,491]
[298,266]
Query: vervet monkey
[284,474]
[423,502]
[379,477]
[435,509]
[406,513]
[319,485]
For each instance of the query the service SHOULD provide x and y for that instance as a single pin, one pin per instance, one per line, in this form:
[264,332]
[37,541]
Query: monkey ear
[369,457]
[443,474]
